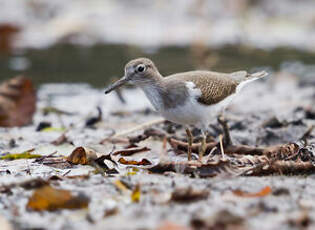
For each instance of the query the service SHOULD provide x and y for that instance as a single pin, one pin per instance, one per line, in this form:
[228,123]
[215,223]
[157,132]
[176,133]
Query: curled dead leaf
[82,156]
[51,199]
[263,192]
[17,102]
[143,162]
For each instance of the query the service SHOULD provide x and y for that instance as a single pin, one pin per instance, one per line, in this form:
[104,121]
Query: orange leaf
[51,199]
[133,162]
[78,156]
[81,156]
[263,192]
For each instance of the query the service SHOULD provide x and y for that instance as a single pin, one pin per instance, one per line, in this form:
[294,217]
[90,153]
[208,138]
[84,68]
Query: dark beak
[115,85]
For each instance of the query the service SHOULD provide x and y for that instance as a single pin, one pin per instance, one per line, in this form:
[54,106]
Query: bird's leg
[189,140]
[226,133]
[203,146]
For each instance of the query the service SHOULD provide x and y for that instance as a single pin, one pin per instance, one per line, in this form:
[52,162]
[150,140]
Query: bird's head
[140,71]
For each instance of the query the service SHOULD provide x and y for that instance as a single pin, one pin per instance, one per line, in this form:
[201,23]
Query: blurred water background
[90,41]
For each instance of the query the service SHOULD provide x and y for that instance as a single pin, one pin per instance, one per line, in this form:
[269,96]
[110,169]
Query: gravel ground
[284,95]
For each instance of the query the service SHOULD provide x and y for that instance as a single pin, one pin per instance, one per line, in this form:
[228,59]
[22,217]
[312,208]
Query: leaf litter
[132,168]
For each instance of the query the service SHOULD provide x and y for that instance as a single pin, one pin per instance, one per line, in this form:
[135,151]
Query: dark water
[98,64]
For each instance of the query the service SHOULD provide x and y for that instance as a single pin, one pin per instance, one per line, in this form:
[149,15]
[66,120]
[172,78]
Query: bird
[187,98]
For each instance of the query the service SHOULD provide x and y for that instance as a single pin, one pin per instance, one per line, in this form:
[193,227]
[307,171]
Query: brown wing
[214,86]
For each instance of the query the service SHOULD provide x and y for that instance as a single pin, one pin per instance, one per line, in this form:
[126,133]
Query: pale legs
[190,141]
[203,145]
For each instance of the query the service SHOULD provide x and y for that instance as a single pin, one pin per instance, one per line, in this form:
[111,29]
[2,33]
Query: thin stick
[134,129]
[221,146]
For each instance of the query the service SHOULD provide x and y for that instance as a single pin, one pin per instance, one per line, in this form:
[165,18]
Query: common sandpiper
[188,98]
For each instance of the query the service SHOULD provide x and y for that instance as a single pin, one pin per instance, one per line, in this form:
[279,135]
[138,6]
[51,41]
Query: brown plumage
[214,86]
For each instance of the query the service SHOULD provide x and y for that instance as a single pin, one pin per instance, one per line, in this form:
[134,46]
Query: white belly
[194,113]
[189,113]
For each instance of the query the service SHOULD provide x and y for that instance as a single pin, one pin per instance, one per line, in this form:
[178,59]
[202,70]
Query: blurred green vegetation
[99,64]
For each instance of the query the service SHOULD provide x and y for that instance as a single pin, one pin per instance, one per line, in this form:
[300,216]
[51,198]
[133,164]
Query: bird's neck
[154,90]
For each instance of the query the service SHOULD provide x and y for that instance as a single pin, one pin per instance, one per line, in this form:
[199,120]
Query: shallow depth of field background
[90,41]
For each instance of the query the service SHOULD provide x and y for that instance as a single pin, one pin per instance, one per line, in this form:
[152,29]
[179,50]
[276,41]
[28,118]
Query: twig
[137,128]
[282,167]
[221,147]
[131,151]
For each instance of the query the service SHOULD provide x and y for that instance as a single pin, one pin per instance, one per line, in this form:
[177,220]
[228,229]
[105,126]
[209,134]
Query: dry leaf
[134,162]
[263,192]
[82,156]
[131,151]
[189,194]
[17,102]
[24,155]
[51,199]
[136,193]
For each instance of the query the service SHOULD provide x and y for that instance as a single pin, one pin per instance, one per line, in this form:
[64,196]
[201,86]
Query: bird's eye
[141,68]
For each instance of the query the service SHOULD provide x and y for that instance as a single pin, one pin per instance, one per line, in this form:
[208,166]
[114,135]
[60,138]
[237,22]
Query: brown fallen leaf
[81,155]
[143,162]
[131,151]
[186,195]
[17,102]
[51,199]
[263,192]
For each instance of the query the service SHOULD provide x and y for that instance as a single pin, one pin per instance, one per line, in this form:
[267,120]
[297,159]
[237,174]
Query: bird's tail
[257,75]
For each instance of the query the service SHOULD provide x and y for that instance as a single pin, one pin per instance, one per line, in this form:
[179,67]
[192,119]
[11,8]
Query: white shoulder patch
[193,91]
